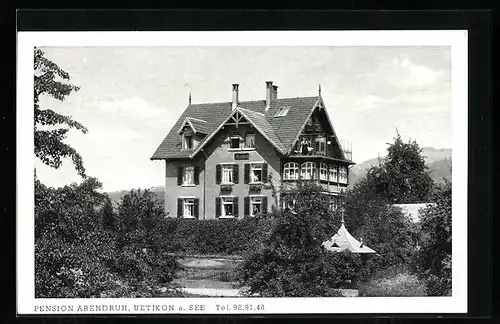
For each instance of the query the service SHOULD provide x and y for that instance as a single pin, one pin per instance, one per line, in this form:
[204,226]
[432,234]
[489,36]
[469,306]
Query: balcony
[321,145]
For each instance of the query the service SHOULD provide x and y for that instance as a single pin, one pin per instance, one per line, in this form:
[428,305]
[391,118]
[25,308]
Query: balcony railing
[317,145]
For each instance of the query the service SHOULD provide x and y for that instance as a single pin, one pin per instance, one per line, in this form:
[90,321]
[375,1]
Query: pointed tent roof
[343,240]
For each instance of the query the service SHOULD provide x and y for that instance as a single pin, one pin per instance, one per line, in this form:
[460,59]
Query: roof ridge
[247,101]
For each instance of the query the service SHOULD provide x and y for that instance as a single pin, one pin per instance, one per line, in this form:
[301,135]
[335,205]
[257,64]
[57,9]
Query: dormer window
[188,142]
[234,141]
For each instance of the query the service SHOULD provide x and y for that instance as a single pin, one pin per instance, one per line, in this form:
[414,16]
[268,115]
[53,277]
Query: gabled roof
[198,125]
[344,241]
[281,131]
[260,122]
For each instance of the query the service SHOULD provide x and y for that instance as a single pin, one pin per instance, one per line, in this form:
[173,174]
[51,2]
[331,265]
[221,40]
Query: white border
[457,303]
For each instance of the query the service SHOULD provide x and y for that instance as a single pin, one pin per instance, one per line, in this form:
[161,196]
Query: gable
[241,116]
[319,114]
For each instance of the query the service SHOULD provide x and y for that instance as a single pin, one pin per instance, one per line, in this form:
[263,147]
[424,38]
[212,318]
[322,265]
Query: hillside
[116,196]
[438,160]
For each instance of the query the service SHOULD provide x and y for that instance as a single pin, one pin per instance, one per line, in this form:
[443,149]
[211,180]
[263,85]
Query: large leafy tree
[51,128]
[292,261]
[141,245]
[434,257]
[403,176]
[400,178]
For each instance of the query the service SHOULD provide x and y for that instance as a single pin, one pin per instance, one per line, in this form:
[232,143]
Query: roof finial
[319,89]
[189,97]
[342,216]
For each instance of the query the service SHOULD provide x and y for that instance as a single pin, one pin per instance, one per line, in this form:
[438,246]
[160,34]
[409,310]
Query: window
[227,173]
[323,171]
[188,142]
[188,207]
[227,207]
[255,173]
[333,174]
[235,142]
[282,111]
[321,145]
[188,175]
[291,171]
[343,174]
[255,205]
[250,140]
[308,170]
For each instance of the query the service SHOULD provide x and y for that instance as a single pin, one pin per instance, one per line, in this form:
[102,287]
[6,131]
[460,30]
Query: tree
[292,261]
[108,216]
[76,257]
[71,249]
[141,247]
[403,177]
[434,256]
[49,131]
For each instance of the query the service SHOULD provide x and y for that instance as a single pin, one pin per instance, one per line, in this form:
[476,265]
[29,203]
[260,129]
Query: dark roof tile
[282,131]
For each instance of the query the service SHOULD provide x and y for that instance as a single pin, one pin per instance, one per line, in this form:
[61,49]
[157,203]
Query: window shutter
[264,172]
[218,173]
[235,206]
[217,206]
[180,212]
[196,207]
[179,176]
[264,205]
[247,206]
[196,175]
[235,173]
[247,173]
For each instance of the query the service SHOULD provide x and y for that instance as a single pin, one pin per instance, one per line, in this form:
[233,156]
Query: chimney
[269,90]
[275,92]
[235,96]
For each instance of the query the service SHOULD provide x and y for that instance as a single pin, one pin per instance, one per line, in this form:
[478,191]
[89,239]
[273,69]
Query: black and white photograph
[244,178]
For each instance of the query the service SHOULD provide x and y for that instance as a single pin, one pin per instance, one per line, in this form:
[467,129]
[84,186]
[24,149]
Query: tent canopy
[344,241]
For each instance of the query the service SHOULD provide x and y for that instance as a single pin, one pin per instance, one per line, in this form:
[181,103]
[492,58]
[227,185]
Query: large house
[229,160]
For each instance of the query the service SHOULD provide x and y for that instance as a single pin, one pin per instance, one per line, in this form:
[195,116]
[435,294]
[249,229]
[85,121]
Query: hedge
[219,237]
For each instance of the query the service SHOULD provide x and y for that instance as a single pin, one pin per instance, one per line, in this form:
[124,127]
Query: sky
[130,97]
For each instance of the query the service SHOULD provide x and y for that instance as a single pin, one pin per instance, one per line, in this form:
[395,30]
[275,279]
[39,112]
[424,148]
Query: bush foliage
[400,285]
[292,261]
[78,254]
[433,260]
[222,237]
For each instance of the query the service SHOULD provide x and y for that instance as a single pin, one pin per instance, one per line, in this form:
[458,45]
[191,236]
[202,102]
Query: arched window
[333,173]
[308,170]
[291,171]
[323,171]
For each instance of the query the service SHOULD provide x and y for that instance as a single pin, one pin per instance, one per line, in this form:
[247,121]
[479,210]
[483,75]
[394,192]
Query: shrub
[78,255]
[223,237]
[401,285]
[293,264]
[433,260]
